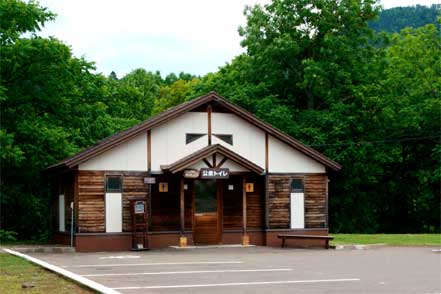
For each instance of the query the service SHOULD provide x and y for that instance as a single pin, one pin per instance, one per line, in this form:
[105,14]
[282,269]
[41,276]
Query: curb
[45,249]
[70,275]
[374,246]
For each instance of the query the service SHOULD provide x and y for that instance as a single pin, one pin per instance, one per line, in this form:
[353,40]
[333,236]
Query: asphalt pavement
[259,270]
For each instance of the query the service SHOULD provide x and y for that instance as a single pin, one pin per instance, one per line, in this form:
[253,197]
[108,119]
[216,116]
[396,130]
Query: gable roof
[208,151]
[176,111]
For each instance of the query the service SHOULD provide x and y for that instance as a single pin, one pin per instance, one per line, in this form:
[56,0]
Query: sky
[193,36]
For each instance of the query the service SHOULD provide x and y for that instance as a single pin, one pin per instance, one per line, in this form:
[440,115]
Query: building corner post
[245,237]
[182,238]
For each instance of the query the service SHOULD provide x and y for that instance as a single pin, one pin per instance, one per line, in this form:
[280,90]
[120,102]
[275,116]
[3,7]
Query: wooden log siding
[279,201]
[279,206]
[315,201]
[91,214]
[133,186]
[255,204]
[166,205]
[232,203]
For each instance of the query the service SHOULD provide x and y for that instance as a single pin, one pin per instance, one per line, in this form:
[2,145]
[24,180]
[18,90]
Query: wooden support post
[182,239]
[209,110]
[327,202]
[245,237]
[76,203]
[219,193]
[149,174]
[266,181]
[266,153]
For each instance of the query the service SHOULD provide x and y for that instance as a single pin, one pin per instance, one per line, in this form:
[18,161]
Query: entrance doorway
[206,212]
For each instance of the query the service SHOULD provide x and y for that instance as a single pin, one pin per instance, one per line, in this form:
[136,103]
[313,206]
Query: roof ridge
[170,113]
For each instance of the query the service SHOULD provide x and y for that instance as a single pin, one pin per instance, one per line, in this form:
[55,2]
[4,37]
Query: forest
[332,73]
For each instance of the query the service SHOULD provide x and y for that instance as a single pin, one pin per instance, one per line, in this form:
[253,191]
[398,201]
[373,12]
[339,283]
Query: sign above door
[215,173]
[191,173]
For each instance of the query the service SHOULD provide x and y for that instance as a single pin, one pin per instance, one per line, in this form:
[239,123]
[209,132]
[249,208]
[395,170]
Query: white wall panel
[168,140]
[131,155]
[234,167]
[248,140]
[113,212]
[297,210]
[285,159]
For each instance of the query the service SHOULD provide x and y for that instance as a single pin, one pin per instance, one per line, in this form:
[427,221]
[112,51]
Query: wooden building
[221,176]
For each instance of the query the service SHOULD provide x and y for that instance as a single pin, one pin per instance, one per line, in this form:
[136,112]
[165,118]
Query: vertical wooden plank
[219,189]
[76,202]
[182,207]
[266,153]
[326,201]
[266,202]
[149,151]
[209,110]
[193,195]
[149,173]
[266,181]
[244,206]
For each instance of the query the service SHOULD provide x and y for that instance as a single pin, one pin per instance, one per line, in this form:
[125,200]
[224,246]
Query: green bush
[7,236]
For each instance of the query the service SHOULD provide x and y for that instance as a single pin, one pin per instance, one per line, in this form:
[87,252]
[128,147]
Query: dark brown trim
[244,206]
[207,162]
[266,202]
[219,210]
[206,152]
[209,110]
[214,160]
[327,201]
[174,112]
[182,206]
[296,174]
[149,151]
[296,230]
[266,153]
[76,202]
[193,200]
[149,174]
[222,162]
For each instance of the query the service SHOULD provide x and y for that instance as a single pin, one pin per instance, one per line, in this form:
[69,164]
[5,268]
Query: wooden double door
[207,214]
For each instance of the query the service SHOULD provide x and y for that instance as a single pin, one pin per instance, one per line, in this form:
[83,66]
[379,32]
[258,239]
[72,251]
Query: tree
[393,20]
[17,17]
[51,107]
[310,52]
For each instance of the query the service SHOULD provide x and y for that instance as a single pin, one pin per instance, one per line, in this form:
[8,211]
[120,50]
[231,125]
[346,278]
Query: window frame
[197,136]
[223,139]
[119,190]
[297,190]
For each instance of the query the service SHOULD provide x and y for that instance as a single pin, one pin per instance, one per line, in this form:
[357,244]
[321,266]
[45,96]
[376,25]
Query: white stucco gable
[128,156]
[283,158]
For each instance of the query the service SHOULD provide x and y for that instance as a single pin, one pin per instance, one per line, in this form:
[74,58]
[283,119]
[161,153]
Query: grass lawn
[389,239]
[14,271]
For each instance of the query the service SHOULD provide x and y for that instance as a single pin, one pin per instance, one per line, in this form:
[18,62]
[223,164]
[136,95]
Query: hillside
[397,18]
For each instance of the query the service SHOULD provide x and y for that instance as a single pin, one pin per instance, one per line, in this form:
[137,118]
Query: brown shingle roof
[206,152]
[172,113]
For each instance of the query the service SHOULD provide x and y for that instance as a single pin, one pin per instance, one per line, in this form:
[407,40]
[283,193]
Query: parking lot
[260,270]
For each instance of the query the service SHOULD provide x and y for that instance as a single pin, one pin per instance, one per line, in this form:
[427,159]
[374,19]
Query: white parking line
[155,263]
[77,278]
[192,272]
[237,284]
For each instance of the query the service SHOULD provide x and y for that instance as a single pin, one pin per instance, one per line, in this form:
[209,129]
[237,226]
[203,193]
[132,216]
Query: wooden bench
[311,237]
